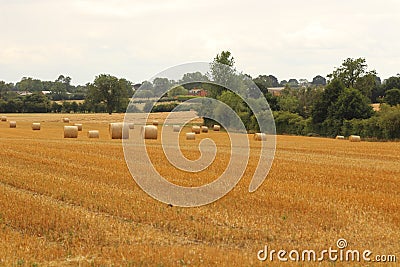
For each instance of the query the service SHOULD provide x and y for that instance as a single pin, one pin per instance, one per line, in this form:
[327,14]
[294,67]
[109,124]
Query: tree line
[337,104]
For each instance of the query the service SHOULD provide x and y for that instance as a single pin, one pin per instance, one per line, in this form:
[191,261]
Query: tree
[325,101]
[225,57]
[293,83]
[36,102]
[351,104]
[29,84]
[109,90]
[160,85]
[193,80]
[264,82]
[288,102]
[177,90]
[222,73]
[353,73]
[392,97]
[392,82]
[319,80]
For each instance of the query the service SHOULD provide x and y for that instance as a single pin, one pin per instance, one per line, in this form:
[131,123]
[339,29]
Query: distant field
[73,201]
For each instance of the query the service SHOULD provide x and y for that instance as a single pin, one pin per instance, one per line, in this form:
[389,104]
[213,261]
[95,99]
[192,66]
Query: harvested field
[73,201]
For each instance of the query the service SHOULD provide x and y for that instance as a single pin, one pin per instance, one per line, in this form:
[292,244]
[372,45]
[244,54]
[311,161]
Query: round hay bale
[66,120]
[93,134]
[131,125]
[79,126]
[118,130]
[340,137]
[3,118]
[196,129]
[260,137]
[216,128]
[70,131]
[355,138]
[190,136]
[36,126]
[155,123]
[204,129]
[13,124]
[149,132]
[176,128]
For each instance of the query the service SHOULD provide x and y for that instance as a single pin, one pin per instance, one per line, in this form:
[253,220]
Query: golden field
[68,202]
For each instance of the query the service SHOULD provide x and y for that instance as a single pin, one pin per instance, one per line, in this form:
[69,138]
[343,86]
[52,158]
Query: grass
[70,202]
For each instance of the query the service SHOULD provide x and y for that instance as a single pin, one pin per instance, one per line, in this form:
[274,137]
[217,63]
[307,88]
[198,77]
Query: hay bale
[204,129]
[190,136]
[340,137]
[79,126]
[36,126]
[355,138]
[3,118]
[155,123]
[149,132]
[216,128]
[176,128]
[70,131]
[66,120]
[131,125]
[260,137]
[93,134]
[196,129]
[118,130]
[13,124]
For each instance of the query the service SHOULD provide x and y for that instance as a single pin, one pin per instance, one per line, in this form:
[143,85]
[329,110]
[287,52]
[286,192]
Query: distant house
[23,93]
[275,91]
[46,92]
[198,92]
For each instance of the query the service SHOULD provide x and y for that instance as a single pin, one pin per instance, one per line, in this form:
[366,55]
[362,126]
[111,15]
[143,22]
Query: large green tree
[351,104]
[392,97]
[354,73]
[111,91]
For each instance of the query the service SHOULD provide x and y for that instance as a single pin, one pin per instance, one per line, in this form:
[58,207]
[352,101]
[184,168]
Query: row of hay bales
[352,138]
[35,125]
[120,130]
[196,130]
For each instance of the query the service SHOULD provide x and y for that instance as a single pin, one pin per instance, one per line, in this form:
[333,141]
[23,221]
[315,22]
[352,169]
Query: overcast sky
[138,39]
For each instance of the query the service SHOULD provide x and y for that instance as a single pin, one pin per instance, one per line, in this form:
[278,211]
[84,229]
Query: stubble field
[73,201]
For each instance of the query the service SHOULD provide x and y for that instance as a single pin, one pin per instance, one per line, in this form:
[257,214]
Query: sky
[140,38]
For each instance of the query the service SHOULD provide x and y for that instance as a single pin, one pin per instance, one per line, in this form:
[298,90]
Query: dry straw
[216,128]
[118,130]
[260,137]
[70,131]
[204,129]
[13,124]
[36,126]
[66,120]
[190,136]
[3,118]
[155,123]
[149,132]
[79,126]
[176,128]
[355,138]
[340,137]
[196,129]
[93,134]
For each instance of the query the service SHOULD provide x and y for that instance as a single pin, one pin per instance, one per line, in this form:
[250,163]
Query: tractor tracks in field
[111,219]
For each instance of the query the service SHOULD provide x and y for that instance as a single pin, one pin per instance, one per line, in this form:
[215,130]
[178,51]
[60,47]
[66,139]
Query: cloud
[137,39]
